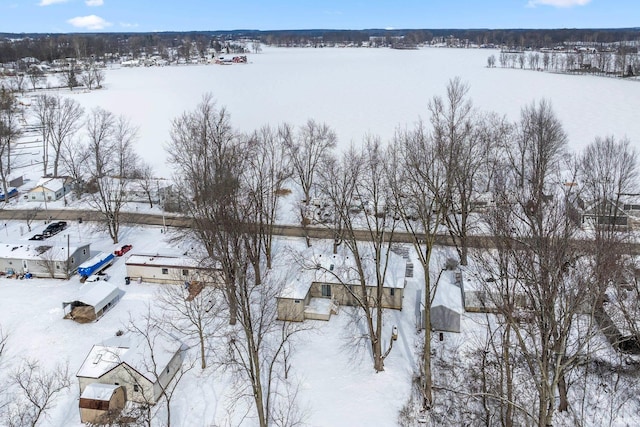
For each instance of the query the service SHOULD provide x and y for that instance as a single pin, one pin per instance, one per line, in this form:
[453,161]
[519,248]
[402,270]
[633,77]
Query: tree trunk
[427,381]
[562,390]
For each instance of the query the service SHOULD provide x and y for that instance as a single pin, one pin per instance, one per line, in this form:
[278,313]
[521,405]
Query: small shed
[50,189]
[99,400]
[94,300]
[447,308]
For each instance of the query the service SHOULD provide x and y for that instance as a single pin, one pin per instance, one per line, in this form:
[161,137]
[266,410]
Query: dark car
[54,228]
[37,237]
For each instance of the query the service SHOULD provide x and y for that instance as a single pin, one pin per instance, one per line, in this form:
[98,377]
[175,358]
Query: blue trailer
[96,264]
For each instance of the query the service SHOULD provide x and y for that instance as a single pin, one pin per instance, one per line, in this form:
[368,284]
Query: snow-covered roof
[132,351]
[100,360]
[297,288]
[339,268]
[448,294]
[98,294]
[97,391]
[162,261]
[36,251]
[51,184]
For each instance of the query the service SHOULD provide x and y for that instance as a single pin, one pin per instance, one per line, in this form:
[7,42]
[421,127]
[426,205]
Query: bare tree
[64,122]
[197,318]
[155,341]
[19,81]
[207,156]
[43,111]
[308,149]
[74,157]
[69,78]
[109,164]
[458,137]
[362,177]
[147,181]
[549,283]
[35,76]
[212,169]
[418,185]
[34,392]
[269,169]
[10,131]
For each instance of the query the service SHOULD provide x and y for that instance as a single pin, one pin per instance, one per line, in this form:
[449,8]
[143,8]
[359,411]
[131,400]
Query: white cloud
[50,2]
[90,22]
[558,3]
[94,2]
[128,25]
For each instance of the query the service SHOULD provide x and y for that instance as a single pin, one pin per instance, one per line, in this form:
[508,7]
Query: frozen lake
[358,92]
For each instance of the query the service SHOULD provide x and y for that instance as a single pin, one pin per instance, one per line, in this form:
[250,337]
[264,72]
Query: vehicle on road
[37,237]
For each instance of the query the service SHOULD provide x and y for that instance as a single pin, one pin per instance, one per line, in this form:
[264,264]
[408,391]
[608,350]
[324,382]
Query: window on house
[167,369]
[185,272]
[57,266]
[326,290]
[136,388]
[84,252]
[393,291]
[297,301]
[165,271]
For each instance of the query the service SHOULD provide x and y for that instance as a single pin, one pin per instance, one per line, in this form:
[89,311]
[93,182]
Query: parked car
[123,250]
[37,237]
[54,228]
[98,277]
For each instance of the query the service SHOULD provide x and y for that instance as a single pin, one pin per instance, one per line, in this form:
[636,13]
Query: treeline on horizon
[48,47]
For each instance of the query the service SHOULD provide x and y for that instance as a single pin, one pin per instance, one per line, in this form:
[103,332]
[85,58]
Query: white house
[174,269]
[50,189]
[333,280]
[42,259]
[126,361]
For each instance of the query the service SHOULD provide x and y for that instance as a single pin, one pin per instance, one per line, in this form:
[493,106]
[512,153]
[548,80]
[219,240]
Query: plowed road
[178,221]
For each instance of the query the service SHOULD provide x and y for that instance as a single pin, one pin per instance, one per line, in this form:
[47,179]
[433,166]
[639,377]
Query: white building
[126,361]
[50,189]
[42,259]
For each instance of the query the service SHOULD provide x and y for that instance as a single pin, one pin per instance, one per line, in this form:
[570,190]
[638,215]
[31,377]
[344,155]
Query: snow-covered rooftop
[133,351]
[97,391]
[162,261]
[36,251]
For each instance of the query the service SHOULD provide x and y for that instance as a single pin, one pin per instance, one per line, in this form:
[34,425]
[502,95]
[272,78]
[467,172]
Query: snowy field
[358,92]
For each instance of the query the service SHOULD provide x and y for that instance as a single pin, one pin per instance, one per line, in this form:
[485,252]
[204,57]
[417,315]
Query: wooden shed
[98,401]
[94,300]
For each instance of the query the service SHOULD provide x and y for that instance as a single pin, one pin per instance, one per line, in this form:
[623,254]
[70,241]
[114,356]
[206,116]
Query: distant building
[50,189]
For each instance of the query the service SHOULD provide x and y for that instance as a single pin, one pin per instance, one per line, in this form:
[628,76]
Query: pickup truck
[54,228]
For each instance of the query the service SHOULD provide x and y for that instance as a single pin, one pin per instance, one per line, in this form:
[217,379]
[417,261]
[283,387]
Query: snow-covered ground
[338,386]
[357,92]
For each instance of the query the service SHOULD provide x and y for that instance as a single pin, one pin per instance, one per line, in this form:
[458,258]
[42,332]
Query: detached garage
[99,400]
[95,299]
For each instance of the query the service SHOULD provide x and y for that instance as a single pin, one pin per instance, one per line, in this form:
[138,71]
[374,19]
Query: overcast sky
[46,16]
